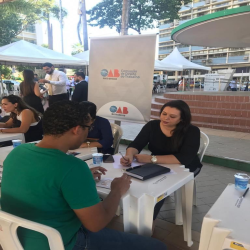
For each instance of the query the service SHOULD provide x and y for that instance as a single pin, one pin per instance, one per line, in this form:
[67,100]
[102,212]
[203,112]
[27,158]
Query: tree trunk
[61,26]
[125,17]
[84,26]
[50,34]
[78,30]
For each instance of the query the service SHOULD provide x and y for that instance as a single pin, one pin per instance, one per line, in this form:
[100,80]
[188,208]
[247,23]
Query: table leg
[178,207]
[138,214]
[187,205]
[22,138]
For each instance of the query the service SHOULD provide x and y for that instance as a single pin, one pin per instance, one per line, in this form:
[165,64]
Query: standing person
[55,82]
[23,119]
[43,184]
[68,84]
[179,83]
[30,91]
[233,85]
[36,78]
[246,88]
[81,89]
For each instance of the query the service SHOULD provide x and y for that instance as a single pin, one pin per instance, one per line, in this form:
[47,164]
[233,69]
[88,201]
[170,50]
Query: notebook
[147,171]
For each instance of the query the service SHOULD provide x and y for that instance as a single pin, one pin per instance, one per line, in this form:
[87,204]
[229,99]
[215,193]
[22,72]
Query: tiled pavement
[210,183]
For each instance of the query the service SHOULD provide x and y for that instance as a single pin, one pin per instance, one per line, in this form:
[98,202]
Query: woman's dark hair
[183,125]
[21,105]
[63,116]
[28,84]
[91,108]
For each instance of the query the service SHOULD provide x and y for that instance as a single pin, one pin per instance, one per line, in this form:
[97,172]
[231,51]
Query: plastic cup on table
[241,181]
[16,143]
[97,159]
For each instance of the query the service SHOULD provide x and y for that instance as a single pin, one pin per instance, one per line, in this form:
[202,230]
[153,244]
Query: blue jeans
[109,239]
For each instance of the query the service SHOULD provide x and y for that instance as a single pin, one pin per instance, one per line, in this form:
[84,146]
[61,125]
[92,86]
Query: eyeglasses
[91,127]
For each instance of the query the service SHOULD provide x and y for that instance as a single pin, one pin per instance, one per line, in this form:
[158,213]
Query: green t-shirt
[44,185]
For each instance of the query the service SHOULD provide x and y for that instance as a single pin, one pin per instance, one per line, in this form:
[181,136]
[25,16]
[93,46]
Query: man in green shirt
[42,183]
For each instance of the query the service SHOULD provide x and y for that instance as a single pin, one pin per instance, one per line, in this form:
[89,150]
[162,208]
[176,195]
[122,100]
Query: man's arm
[97,217]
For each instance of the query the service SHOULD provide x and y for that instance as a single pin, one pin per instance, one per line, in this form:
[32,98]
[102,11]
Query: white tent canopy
[25,53]
[176,58]
[158,64]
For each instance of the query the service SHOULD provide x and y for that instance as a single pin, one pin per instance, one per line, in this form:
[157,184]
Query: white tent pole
[194,84]
[183,83]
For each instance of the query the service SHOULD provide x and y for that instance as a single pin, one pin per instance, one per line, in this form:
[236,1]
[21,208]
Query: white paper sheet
[104,183]
[117,163]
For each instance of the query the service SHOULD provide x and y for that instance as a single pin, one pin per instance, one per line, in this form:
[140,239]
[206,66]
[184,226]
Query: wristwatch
[88,143]
[154,159]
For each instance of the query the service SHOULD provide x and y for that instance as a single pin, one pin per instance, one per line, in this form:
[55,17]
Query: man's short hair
[61,69]
[35,74]
[80,74]
[63,116]
[90,107]
[47,64]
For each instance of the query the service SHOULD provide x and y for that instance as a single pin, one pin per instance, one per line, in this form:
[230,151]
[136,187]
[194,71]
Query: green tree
[5,71]
[77,48]
[143,13]
[45,45]
[10,26]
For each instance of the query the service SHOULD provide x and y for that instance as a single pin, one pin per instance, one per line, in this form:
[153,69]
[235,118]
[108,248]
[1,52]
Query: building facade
[33,33]
[216,58]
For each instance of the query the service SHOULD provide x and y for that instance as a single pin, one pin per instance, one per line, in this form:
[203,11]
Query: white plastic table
[139,202]
[11,136]
[85,153]
[225,226]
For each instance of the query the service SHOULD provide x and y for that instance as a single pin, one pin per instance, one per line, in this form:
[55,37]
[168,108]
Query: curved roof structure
[227,28]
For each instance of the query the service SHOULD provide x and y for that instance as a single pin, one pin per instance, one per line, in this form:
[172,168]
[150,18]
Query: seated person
[23,119]
[100,135]
[171,140]
[42,183]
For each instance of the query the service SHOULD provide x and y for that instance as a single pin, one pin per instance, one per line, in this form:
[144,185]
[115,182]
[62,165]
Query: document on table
[117,163]
[104,183]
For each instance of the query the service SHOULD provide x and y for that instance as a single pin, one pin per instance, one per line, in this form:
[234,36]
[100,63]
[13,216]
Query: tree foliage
[16,15]
[77,48]
[5,71]
[143,13]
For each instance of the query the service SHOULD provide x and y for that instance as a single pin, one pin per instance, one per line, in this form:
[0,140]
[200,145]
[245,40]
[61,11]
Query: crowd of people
[42,183]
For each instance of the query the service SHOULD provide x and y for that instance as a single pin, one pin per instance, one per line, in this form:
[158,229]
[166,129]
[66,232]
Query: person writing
[42,183]
[100,134]
[55,82]
[81,89]
[171,140]
[23,119]
[30,91]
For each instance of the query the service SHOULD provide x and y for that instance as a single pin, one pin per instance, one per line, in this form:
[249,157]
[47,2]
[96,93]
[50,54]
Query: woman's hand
[97,172]
[143,158]
[127,161]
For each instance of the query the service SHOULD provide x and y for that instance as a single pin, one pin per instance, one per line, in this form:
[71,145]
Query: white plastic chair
[8,235]
[201,153]
[117,134]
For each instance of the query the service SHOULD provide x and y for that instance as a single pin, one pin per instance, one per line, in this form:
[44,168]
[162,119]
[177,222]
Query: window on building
[238,53]
[218,55]
[30,28]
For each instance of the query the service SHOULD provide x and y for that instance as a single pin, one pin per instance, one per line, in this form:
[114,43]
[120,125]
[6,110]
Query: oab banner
[121,76]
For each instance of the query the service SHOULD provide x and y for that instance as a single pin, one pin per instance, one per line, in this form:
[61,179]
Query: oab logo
[104,72]
[119,111]
[110,74]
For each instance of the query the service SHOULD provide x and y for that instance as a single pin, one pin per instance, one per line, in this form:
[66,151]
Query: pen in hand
[124,158]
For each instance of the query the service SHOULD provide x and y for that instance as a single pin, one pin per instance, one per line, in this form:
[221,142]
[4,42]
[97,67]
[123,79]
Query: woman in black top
[172,140]
[23,119]
[30,91]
